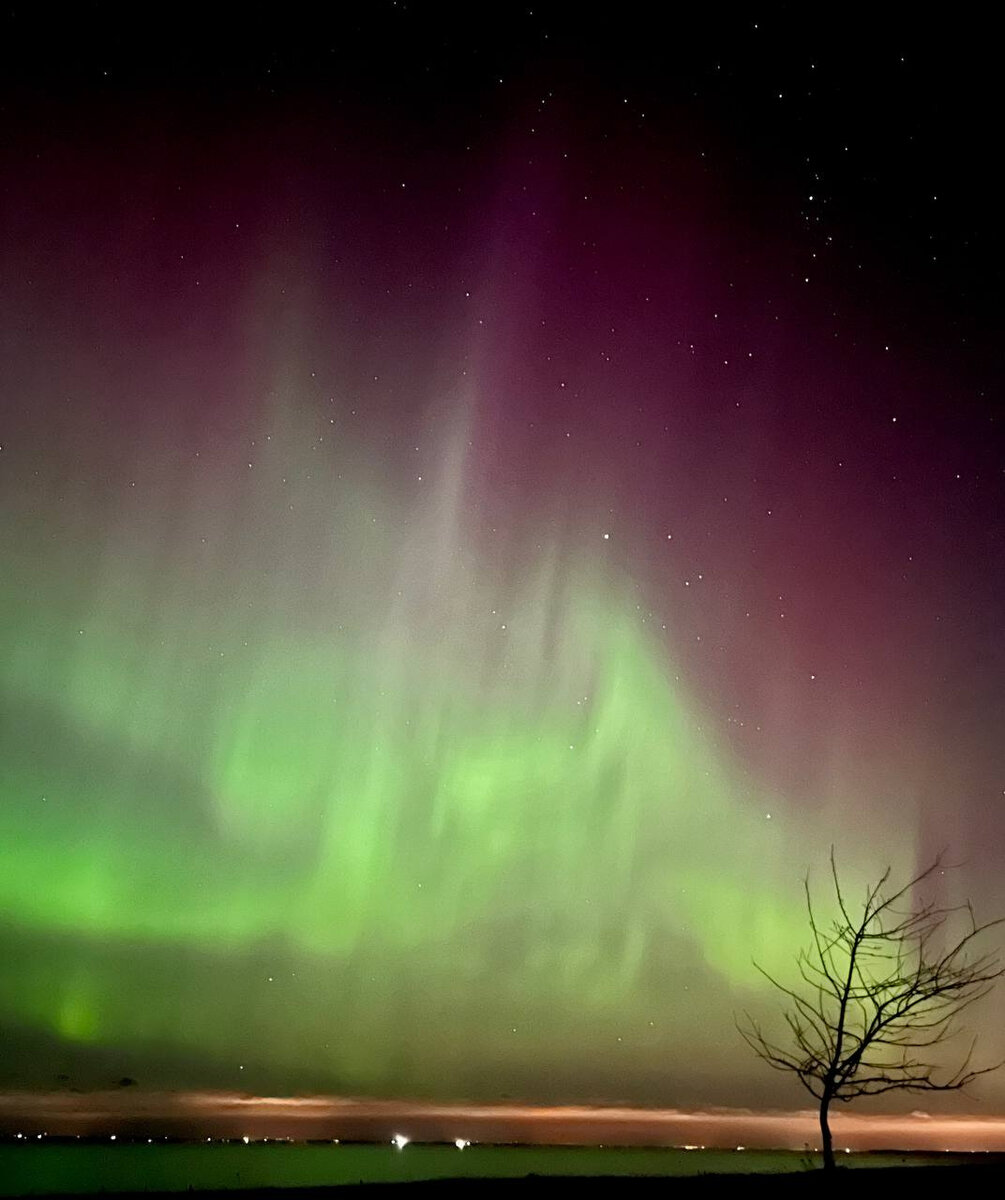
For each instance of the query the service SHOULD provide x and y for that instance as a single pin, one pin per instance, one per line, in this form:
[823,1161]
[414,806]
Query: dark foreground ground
[973,1181]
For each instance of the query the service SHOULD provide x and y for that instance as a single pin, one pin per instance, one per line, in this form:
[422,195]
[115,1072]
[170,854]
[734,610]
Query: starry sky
[489,496]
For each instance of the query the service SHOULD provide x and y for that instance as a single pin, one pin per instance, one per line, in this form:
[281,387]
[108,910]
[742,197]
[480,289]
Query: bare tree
[881,986]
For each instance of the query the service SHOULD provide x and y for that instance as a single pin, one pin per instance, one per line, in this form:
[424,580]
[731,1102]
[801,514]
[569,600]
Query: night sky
[488,496]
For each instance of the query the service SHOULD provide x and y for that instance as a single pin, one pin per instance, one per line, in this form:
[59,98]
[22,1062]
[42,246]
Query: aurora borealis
[477,525]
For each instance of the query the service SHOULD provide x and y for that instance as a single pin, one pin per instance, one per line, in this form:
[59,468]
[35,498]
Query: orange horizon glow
[235,1116]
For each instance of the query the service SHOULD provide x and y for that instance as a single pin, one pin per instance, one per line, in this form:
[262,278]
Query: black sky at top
[886,115]
[867,137]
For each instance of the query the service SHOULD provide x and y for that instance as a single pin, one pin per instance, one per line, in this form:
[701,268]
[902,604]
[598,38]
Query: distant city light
[400,1140]
[460,1143]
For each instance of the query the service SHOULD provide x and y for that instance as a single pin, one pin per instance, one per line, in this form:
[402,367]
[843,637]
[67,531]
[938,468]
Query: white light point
[246,1139]
[460,1143]
[400,1140]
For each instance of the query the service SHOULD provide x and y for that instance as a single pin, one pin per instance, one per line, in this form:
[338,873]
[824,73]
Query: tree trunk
[825,1133]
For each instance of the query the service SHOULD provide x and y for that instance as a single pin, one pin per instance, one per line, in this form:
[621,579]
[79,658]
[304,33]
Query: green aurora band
[338,750]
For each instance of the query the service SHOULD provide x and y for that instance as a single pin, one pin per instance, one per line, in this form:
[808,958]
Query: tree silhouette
[881,986]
